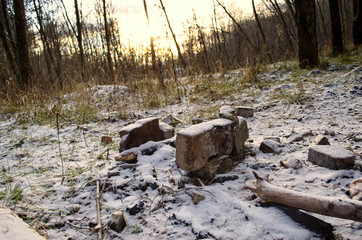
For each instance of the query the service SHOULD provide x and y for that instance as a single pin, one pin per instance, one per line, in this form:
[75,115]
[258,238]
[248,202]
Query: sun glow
[134,29]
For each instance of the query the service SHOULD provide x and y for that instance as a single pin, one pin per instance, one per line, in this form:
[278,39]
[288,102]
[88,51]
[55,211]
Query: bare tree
[23,58]
[307,33]
[7,39]
[173,36]
[337,41]
[153,54]
[274,7]
[79,39]
[321,15]
[246,37]
[265,43]
[108,40]
[357,22]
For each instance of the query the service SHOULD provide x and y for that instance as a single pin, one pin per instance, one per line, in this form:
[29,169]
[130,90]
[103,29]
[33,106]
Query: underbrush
[82,103]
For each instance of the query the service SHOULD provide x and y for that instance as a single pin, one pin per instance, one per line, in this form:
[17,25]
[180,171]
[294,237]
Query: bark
[23,58]
[307,33]
[322,19]
[357,22]
[329,206]
[7,24]
[79,39]
[336,25]
[6,39]
[108,41]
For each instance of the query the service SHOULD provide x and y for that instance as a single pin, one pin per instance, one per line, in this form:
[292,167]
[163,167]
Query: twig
[60,151]
[42,230]
[84,138]
[99,220]
[201,183]
[79,227]
[172,180]
[128,165]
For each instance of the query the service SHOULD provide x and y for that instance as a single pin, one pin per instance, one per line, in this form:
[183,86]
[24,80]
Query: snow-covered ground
[156,197]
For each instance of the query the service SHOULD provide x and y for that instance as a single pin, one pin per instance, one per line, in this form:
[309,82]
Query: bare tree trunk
[323,20]
[279,14]
[246,37]
[357,22]
[108,41]
[22,44]
[80,39]
[265,43]
[220,45]
[7,39]
[44,38]
[7,25]
[153,54]
[307,33]
[203,44]
[337,41]
[173,36]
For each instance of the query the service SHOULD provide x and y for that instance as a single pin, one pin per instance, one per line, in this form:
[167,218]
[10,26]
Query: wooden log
[329,206]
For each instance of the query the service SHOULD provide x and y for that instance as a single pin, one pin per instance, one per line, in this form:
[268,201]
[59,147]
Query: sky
[133,24]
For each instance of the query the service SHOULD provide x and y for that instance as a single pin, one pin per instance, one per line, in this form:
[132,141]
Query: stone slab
[196,144]
[332,157]
[140,132]
[244,111]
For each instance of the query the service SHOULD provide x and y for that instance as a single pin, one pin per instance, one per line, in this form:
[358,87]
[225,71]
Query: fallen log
[329,206]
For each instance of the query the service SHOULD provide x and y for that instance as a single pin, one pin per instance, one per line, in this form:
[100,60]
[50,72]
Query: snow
[204,127]
[337,152]
[29,156]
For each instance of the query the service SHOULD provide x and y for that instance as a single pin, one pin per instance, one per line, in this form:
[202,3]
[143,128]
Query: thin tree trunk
[22,44]
[279,14]
[108,41]
[203,44]
[5,36]
[246,37]
[222,51]
[323,20]
[337,41]
[153,54]
[287,29]
[173,36]
[7,25]
[357,22]
[261,32]
[43,36]
[80,40]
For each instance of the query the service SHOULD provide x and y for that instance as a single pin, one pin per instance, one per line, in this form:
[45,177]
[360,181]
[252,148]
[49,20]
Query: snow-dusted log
[330,206]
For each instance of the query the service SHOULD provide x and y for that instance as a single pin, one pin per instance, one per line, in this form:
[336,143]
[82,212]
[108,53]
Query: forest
[44,51]
[244,125]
